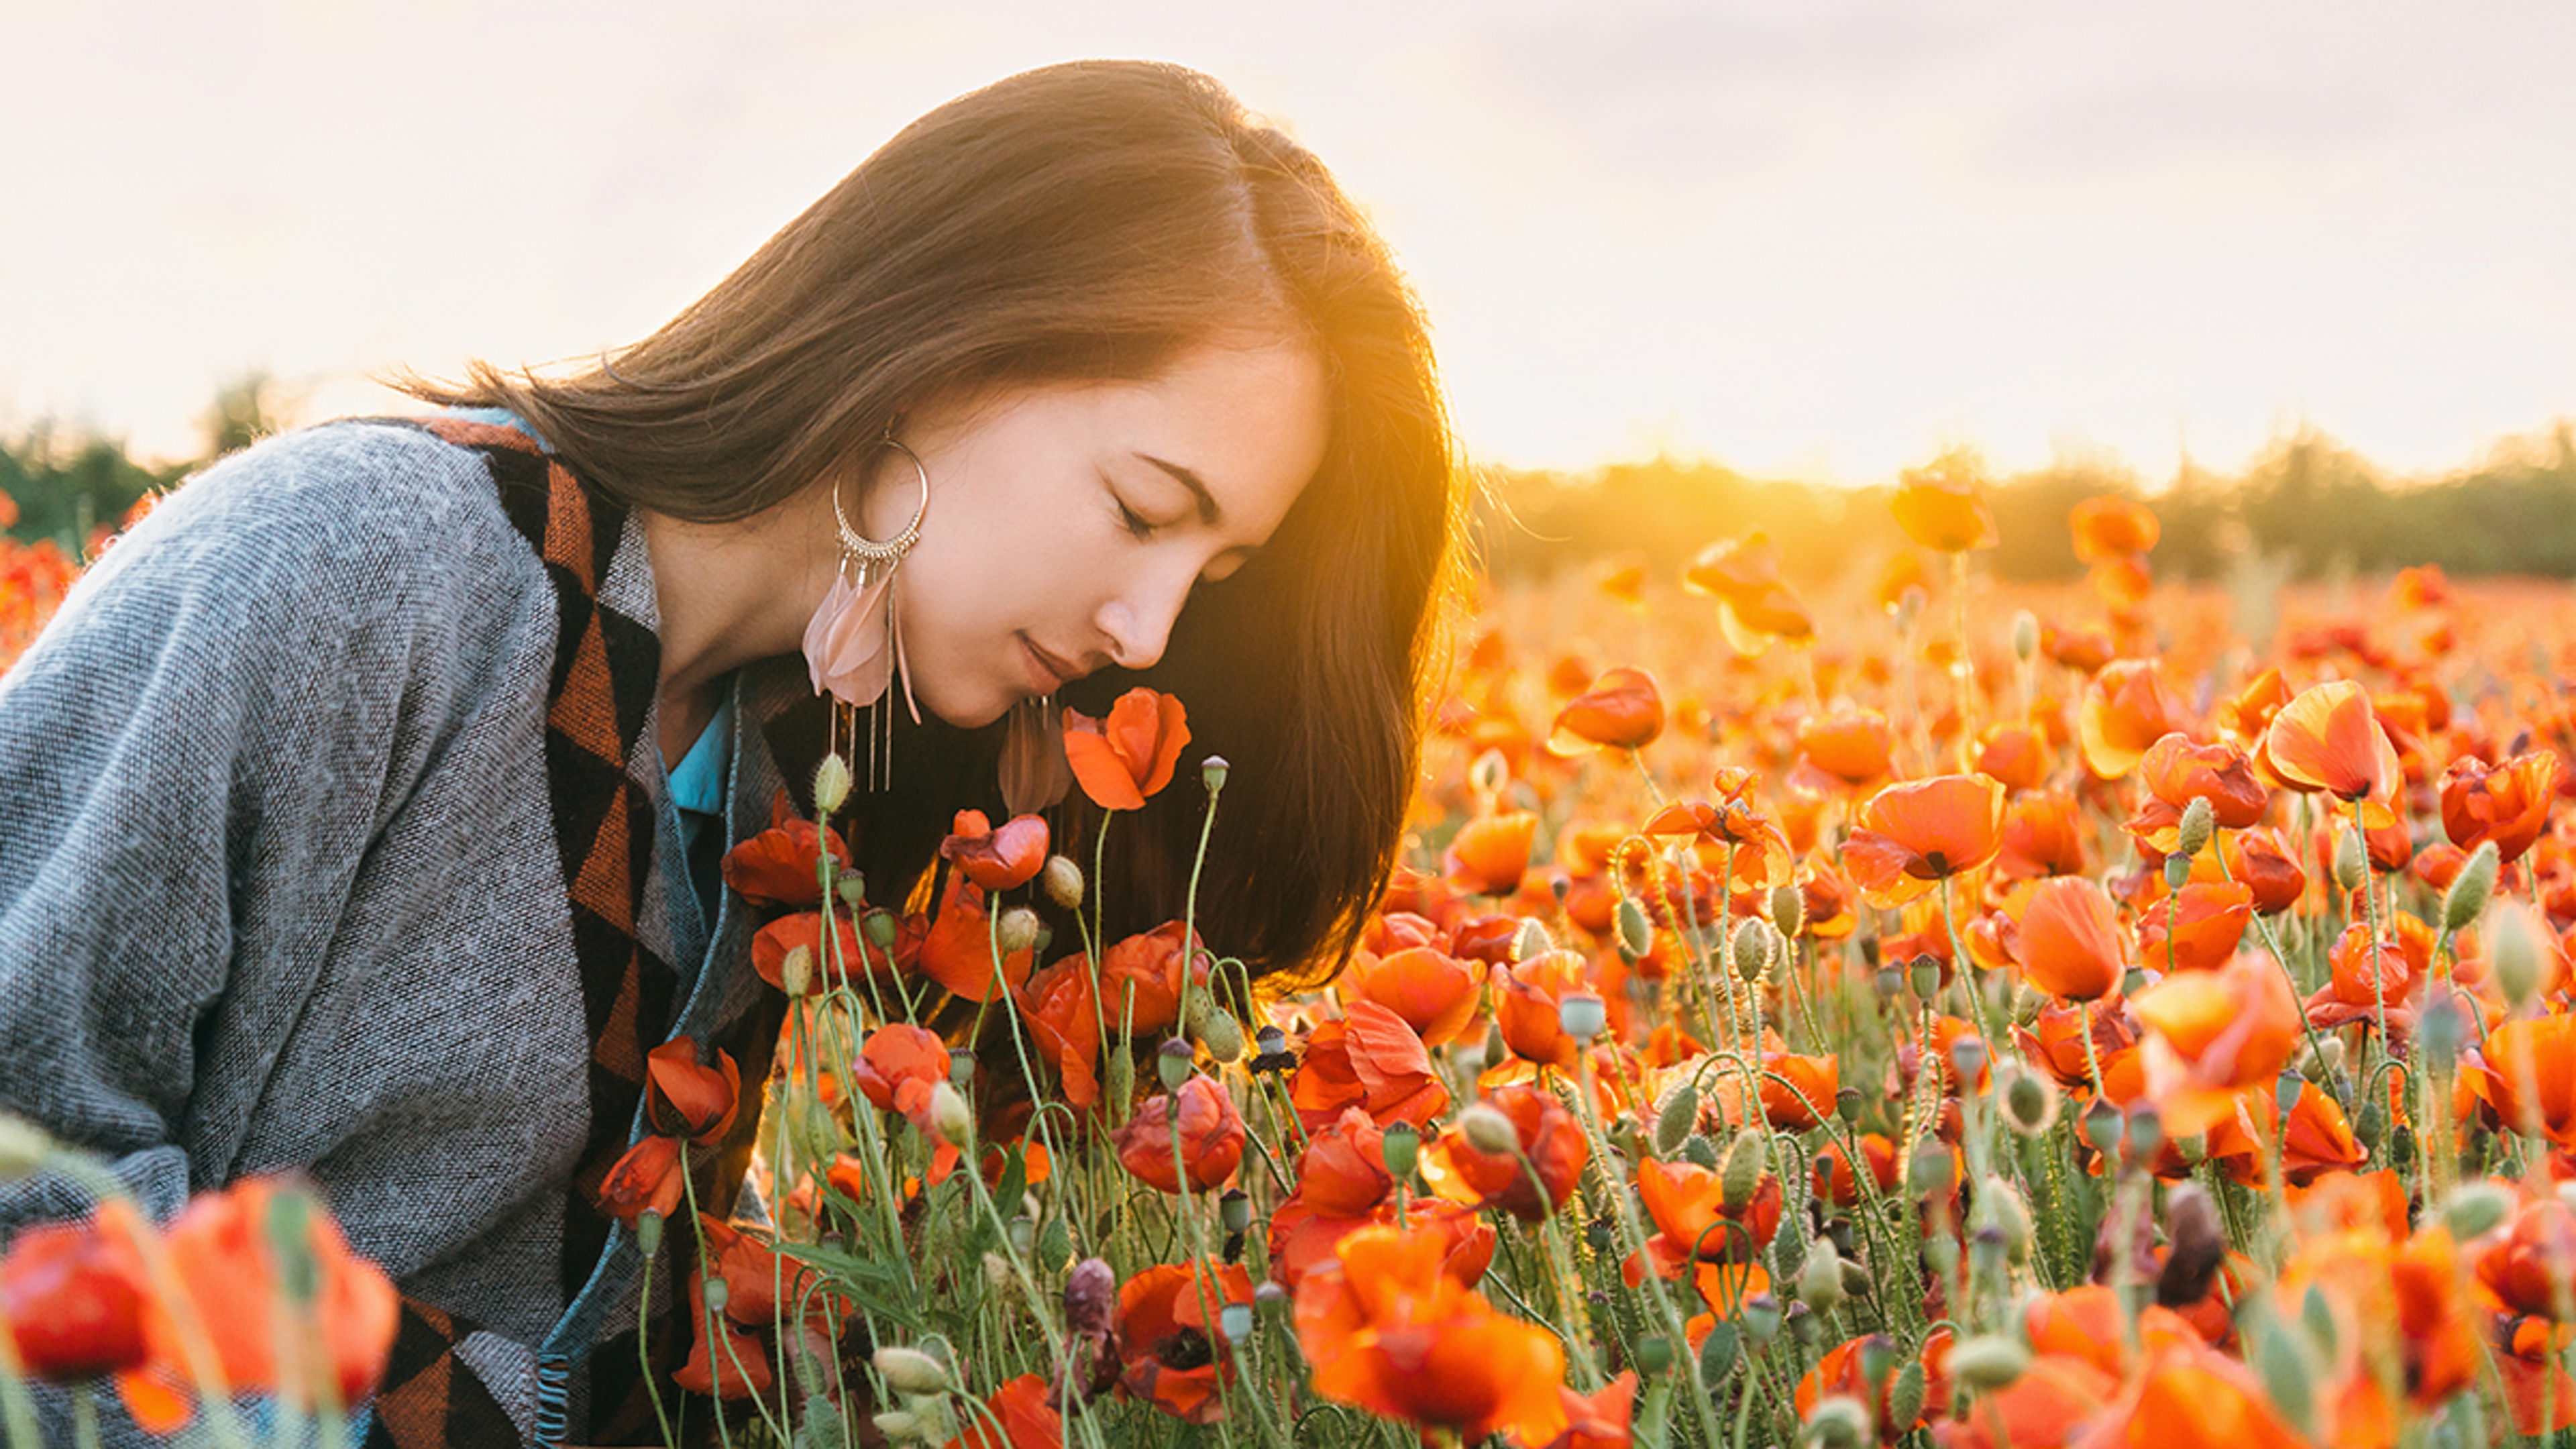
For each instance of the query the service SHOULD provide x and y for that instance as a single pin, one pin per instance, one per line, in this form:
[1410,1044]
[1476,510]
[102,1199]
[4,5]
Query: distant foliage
[2306,502]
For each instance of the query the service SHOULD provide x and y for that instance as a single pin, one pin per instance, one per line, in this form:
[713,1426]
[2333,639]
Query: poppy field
[1903,1009]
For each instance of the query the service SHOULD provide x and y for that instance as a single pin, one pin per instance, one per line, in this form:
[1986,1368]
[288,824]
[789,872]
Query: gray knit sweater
[279,886]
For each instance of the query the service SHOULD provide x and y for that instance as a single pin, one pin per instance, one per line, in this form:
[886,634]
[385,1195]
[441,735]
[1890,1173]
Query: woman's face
[1068,522]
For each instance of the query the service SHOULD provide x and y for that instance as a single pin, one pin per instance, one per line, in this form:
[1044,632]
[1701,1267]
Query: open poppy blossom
[1943,506]
[1208,1140]
[2177,771]
[1547,1139]
[1121,760]
[778,867]
[898,1066]
[2525,1073]
[1754,604]
[997,859]
[2069,943]
[1342,1173]
[2508,804]
[1850,748]
[2126,709]
[1621,711]
[1488,855]
[2108,526]
[2213,1033]
[2198,930]
[1372,1060]
[1694,1221]
[74,1297]
[1021,1414]
[1528,1000]
[1913,835]
[2327,738]
[1174,1352]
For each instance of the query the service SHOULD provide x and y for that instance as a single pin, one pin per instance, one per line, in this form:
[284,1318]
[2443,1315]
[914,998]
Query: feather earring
[1035,772]
[854,643]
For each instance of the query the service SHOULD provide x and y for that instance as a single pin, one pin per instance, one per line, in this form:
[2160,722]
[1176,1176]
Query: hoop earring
[1035,772]
[854,643]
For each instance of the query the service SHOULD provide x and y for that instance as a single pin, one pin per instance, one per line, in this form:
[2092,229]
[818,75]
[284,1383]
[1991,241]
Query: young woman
[360,812]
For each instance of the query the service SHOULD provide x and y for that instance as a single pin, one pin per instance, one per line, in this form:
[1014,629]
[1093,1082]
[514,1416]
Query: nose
[1138,618]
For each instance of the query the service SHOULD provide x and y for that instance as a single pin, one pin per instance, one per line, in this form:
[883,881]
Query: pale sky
[1821,238]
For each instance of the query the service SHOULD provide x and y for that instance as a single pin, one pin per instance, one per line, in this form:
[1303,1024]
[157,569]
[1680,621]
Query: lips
[1047,671]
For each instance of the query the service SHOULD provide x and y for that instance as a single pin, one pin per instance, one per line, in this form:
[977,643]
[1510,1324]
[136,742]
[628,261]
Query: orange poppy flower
[2069,943]
[2015,754]
[1385,1327]
[1526,997]
[2211,1033]
[2127,708]
[723,1361]
[997,860]
[220,1249]
[1600,1419]
[1173,1353]
[683,1099]
[2055,1042]
[1128,756]
[74,1297]
[2539,1393]
[1905,572]
[1342,1172]
[2199,931]
[1833,1177]
[956,949]
[1550,1139]
[1370,1060]
[760,1281]
[898,1066]
[2508,804]
[1622,711]
[2086,1322]
[1942,505]
[1914,834]
[1754,604]
[1806,1088]
[2525,1072]
[1208,1142]
[772,944]
[1850,747]
[1434,992]
[2043,836]
[1302,1239]
[2358,986]
[2315,1137]
[1693,1220]
[2327,738]
[1488,856]
[2110,526]
[1020,1415]
[778,866]
[2049,1404]
[2083,650]
[645,1179]
[2267,868]
[1843,1370]
[2529,1269]
[2176,771]
[2191,1396]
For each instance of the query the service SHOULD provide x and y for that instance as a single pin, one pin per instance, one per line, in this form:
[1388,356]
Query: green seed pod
[1752,949]
[2371,1123]
[1989,1361]
[1582,1015]
[1878,1359]
[1402,1146]
[2177,871]
[2001,1209]
[2146,1130]
[881,929]
[2030,1103]
[1840,1422]
[831,785]
[1222,1035]
[1654,1354]
[1925,976]
[648,1232]
[1673,1124]
[2025,636]
[1741,1175]
[1212,772]
[1847,1104]
[852,888]
[2466,900]
[1174,1062]
[2197,822]
[1929,1171]
[1061,879]
[1761,1318]
[1905,1395]
[1820,1282]
[2102,1127]
[1788,911]
[2351,859]
[1636,933]
[2476,1209]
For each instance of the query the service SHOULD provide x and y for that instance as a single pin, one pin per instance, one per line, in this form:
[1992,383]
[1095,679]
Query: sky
[1823,239]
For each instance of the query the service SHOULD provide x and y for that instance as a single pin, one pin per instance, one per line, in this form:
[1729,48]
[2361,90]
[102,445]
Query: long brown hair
[1092,220]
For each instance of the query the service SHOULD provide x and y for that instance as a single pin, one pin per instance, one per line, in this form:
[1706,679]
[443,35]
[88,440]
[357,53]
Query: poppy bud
[1989,1361]
[1636,935]
[1531,941]
[2476,1209]
[2177,870]
[2515,953]
[1654,1354]
[2146,1130]
[910,1371]
[1673,1124]
[961,1066]
[1121,1069]
[1820,1282]
[1091,1298]
[1741,1174]
[2440,1030]
[1173,1062]
[1877,1359]
[1487,1129]
[1925,976]
[1581,1015]
[2466,900]
[1761,1317]
[1061,879]
[1840,1422]
[2351,860]
[796,973]
[1402,1147]
[1024,1236]
[1929,1171]
[831,785]
[2025,636]
[1222,1035]
[2030,1103]
[1752,949]
[1212,773]
[950,1116]
[1717,1355]
[1788,911]
[2102,1127]
[2371,1122]
[880,928]
[1018,930]
[902,1426]
[1905,1394]
[2197,821]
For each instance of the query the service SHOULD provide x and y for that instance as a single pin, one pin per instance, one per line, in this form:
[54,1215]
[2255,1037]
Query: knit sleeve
[194,758]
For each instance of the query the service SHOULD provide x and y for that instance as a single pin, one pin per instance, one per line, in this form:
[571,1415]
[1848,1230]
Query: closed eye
[1138,526]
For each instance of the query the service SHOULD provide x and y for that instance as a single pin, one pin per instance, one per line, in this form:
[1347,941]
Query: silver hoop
[860,549]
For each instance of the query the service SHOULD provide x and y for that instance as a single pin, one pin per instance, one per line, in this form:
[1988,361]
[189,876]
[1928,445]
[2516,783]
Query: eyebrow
[1209,513]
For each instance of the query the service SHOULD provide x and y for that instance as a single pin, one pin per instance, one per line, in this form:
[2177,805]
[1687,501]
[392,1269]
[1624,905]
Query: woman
[360,812]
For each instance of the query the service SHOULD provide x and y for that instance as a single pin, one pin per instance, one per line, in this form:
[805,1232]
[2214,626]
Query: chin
[965,714]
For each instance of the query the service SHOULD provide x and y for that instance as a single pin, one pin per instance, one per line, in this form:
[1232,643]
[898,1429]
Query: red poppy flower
[1833,1177]
[778,867]
[1850,746]
[2043,836]
[2508,804]
[1173,1351]
[772,944]
[2176,771]
[997,860]
[2108,526]
[1844,1371]
[2051,1403]
[2069,943]
[1915,834]
[1526,1006]
[1342,1172]
[1302,1239]
[723,1360]
[2328,738]
[1806,1087]
[74,1296]
[2529,1268]
[1754,603]
[2127,708]
[1123,759]
[1942,505]
[2015,754]
[957,947]
[2359,986]
[2054,1041]
[2267,868]
[1210,1137]
[1548,1137]
[1488,856]
[2212,1033]
[898,1066]
[1598,1420]
[1693,1220]
[1370,1059]
[646,1179]
[1622,711]
[1435,993]
[2199,931]
[2525,1071]
[683,1099]
[1021,1414]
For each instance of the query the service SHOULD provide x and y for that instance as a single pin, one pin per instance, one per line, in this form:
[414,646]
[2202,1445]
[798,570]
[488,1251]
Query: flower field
[1911,1009]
